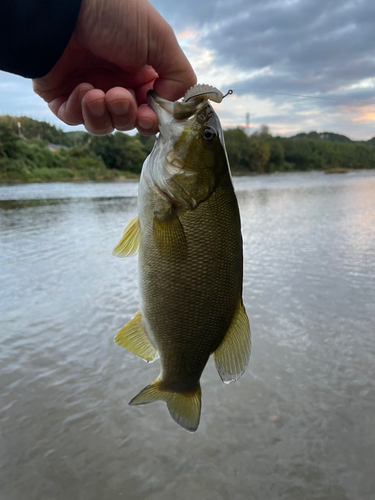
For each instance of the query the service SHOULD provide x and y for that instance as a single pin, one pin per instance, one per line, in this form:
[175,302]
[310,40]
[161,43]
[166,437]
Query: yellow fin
[233,354]
[133,338]
[185,408]
[129,243]
[169,234]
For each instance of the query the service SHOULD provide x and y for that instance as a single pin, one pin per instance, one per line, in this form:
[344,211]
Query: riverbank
[51,175]
[47,175]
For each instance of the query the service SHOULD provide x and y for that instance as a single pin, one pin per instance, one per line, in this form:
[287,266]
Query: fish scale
[188,234]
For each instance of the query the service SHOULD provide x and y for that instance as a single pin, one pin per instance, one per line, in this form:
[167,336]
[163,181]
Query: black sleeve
[34,34]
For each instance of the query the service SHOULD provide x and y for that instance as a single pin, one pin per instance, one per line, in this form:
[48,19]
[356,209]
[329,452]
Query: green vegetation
[34,151]
[263,153]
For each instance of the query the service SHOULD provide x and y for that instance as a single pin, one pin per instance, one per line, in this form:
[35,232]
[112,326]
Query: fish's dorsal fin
[184,407]
[134,338]
[233,354]
[129,242]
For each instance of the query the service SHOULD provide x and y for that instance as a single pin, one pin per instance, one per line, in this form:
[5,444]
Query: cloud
[309,46]
[188,33]
[306,46]
[321,48]
[367,116]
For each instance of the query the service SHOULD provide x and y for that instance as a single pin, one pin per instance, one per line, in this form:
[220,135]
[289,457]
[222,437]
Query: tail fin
[184,407]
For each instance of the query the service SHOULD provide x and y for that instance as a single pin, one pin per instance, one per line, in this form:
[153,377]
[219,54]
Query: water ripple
[298,424]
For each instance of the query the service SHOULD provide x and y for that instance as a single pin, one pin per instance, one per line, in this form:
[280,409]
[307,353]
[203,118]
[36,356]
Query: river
[298,425]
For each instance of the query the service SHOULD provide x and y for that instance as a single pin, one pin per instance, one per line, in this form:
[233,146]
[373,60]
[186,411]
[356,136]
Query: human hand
[119,50]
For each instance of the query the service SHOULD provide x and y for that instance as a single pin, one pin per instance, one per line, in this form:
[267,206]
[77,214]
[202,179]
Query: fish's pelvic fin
[134,338]
[233,354]
[129,243]
[185,408]
[169,234]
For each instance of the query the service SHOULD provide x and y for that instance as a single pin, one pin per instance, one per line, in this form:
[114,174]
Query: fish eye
[209,134]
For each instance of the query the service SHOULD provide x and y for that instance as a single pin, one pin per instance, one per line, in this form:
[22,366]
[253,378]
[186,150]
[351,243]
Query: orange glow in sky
[188,33]
[367,116]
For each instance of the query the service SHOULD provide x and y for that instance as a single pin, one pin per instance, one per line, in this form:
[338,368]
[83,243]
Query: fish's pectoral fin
[233,354]
[129,243]
[169,233]
[134,338]
[185,408]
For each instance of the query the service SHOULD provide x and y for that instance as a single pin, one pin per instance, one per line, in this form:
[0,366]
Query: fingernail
[146,123]
[97,108]
[120,107]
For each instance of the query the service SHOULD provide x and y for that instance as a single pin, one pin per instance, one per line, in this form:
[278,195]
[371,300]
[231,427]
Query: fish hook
[230,92]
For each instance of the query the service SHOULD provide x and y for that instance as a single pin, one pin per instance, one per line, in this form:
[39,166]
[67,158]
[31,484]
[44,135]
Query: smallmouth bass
[188,235]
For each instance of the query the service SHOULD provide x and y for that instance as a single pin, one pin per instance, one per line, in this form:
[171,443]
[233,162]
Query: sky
[319,48]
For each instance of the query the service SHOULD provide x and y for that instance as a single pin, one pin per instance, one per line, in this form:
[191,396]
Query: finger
[56,104]
[70,111]
[147,121]
[141,91]
[96,117]
[122,108]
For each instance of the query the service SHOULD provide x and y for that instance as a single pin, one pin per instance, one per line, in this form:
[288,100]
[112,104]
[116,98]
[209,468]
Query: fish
[188,237]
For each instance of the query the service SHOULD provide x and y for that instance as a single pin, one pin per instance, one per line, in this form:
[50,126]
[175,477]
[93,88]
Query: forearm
[34,34]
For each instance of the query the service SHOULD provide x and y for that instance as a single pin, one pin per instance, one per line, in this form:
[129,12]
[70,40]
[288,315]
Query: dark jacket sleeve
[34,34]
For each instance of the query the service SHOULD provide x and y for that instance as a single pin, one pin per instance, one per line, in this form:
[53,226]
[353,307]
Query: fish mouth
[168,126]
[173,112]
[160,106]
[195,98]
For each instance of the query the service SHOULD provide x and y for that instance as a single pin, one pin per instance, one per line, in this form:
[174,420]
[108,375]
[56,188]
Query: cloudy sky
[322,48]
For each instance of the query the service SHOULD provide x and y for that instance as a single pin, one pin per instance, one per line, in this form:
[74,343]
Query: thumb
[175,74]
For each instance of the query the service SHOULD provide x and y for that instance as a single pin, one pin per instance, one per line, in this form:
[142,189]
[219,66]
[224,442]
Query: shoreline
[136,178]
[66,181]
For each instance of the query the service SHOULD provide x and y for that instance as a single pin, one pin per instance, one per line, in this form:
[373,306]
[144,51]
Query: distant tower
[247,123]
[19,129]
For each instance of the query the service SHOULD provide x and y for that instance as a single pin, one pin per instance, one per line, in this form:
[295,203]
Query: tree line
[263,153]
[34,151]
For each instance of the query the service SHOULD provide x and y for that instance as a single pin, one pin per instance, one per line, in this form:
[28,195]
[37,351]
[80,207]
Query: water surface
[299,424]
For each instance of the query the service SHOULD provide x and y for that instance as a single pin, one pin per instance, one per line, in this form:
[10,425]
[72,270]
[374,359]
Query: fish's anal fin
[129,243]
[233,354]
[133,338]
[185,408]
[169,233]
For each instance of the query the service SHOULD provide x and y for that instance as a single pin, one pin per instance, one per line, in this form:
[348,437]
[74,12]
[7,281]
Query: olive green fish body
[188,234]
[188,297]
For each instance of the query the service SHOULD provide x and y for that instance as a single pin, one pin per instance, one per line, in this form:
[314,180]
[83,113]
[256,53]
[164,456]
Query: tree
[35,129]
[119,151]
[9,141]
[238,147]
[259,154]
[276,159]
